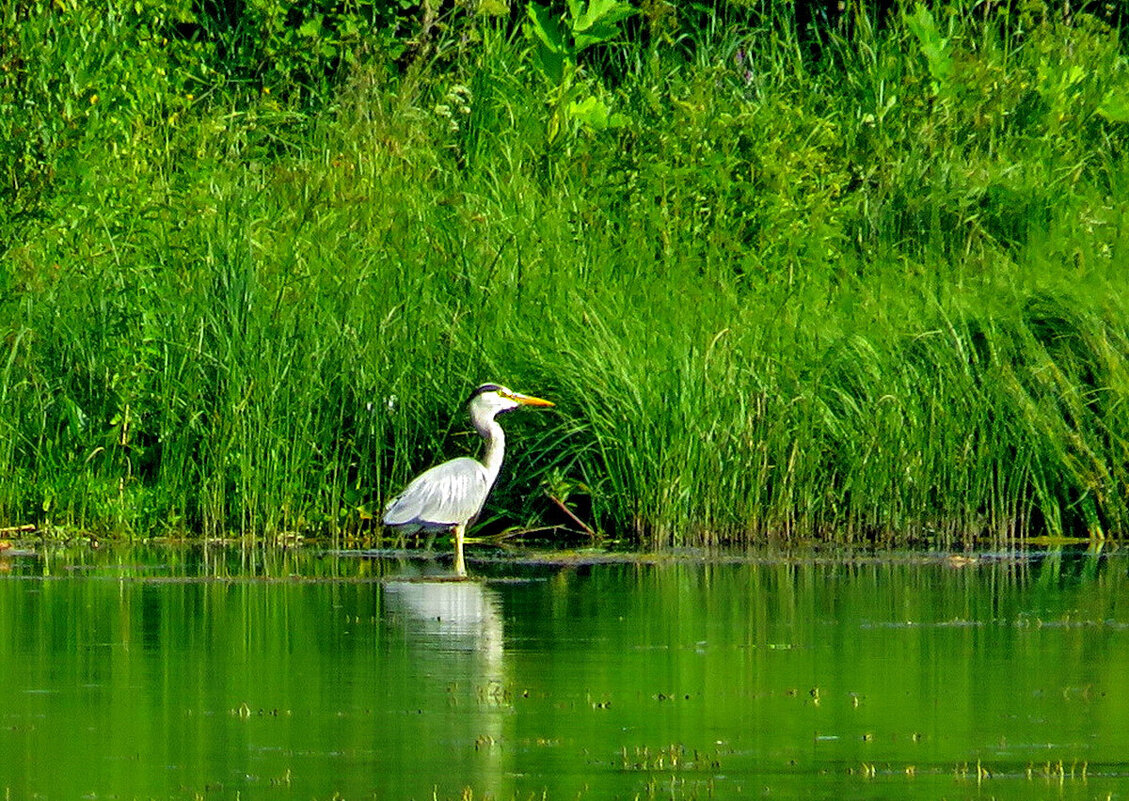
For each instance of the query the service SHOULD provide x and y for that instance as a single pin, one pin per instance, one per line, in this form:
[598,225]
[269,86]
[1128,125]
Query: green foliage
[561,38]
[80,78]
[74,78]
[558,41]
[873,293]
[934,47]
[300,47]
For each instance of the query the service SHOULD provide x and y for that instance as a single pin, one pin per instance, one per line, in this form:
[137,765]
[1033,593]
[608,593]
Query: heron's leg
[460,565]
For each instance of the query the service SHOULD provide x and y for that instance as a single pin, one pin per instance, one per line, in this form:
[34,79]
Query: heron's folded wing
[450,493]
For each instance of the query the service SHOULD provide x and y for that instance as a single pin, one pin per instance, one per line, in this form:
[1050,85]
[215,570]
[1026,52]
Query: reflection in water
[448,616]
[456,628]
[154,675]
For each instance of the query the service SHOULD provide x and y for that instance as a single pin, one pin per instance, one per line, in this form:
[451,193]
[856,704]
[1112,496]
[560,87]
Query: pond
[187,673]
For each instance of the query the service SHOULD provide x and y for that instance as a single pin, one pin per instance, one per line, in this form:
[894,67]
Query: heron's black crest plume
[481,389]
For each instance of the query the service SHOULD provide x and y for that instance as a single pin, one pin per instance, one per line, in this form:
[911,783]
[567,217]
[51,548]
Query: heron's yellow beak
[528,400]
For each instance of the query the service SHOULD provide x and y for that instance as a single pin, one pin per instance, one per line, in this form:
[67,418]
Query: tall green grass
[874,289]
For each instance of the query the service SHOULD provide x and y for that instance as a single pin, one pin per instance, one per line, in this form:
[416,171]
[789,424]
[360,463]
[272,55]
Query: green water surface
[232,673]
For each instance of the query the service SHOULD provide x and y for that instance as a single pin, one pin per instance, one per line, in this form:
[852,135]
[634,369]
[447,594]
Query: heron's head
[493,399]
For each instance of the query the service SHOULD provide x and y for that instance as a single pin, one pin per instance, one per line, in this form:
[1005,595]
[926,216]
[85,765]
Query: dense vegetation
[786,272]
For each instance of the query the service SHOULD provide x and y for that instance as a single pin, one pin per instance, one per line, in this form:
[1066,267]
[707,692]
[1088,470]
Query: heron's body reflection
[449,616]
[457,630]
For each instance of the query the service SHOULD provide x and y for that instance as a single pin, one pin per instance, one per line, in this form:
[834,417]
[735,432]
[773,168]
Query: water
[180,673]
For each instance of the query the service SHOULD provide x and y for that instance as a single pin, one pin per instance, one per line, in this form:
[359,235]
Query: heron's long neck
[495,440]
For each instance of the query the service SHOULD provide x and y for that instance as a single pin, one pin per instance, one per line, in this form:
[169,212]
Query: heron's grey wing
[450,493]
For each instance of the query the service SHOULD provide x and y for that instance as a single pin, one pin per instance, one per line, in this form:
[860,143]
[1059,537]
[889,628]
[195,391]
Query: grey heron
[450,495]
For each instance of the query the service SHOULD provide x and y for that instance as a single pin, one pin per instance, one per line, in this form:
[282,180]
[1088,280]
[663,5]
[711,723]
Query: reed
[870,289]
